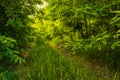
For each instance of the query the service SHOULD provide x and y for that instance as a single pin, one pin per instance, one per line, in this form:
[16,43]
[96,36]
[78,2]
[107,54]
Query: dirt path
[96,69]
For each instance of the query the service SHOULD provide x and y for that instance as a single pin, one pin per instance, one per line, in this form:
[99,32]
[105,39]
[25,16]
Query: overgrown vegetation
[15,33]
[47,64]
[89,28]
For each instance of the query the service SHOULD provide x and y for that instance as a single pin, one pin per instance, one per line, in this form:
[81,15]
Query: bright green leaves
[97,42]
[116,38]
[7,50]
[115,19]
[7,42]
[16,59]
[115,44]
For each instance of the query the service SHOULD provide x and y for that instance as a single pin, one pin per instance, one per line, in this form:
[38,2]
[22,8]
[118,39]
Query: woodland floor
[38,67]
[96,69]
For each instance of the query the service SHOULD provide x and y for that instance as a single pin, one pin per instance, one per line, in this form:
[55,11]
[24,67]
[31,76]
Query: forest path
[95,69]
[47,63]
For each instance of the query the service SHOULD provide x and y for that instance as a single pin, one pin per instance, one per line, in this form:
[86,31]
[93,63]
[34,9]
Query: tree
[15,29]
[95,22]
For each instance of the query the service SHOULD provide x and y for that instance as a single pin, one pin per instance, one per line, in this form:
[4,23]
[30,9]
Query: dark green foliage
[47,64]
[15,32]
[7,50]
[6,75]
[97,26]
[8,56]
[15,20]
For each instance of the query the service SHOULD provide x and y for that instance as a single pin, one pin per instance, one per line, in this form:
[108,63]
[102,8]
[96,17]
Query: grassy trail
[45,63]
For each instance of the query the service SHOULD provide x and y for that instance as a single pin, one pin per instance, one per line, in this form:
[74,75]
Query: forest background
[89,28]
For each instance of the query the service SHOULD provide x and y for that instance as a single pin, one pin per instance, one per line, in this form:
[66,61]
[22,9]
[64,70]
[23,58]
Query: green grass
[45,63]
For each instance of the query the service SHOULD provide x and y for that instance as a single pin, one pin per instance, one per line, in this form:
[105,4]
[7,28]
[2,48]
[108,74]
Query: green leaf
[116,36]
[117,43]
[16,52]
[118,12]
[99,47]
[16,59]
[118,31]
[106,36]
[10,22]
[104,41]
[113,46]
[115,19]
[9,52]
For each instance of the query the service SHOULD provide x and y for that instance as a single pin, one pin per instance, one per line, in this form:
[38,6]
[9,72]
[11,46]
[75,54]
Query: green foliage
[91,26]
[8,56]
[102,47]
[15,19]
[6,75]
[15,32]
[47,64]
[7,50]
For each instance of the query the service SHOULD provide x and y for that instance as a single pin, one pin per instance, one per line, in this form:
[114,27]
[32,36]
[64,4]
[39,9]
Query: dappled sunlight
[59,40]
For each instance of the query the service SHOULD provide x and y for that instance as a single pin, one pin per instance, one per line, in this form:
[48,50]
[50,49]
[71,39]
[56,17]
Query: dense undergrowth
[89,29]
[45,63]
[94,61]
[97,51]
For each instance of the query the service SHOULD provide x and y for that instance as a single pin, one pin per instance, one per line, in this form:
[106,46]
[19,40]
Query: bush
[102,49]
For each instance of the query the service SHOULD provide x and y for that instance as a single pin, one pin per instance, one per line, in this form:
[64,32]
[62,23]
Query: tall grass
[45,63]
